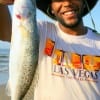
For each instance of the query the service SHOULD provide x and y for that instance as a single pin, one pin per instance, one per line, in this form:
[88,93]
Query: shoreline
[3,82]
[4,77]
[4,74]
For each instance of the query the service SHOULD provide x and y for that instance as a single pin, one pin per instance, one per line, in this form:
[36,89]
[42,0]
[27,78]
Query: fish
[24,50]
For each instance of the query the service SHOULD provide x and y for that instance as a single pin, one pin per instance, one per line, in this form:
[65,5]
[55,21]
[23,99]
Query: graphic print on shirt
[72,65]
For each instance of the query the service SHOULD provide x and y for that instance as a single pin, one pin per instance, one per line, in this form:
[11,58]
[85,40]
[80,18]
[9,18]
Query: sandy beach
[3,95]
[3,82]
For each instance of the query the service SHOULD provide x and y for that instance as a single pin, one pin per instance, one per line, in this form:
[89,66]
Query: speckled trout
[24,49]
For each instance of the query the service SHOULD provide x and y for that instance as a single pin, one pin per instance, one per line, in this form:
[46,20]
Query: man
[69,53]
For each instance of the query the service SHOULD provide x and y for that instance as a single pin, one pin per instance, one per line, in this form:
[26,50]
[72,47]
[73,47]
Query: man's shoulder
[92,33]
[44,22]
[46,25]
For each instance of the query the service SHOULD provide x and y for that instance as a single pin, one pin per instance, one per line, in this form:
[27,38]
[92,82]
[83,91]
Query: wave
[4,56]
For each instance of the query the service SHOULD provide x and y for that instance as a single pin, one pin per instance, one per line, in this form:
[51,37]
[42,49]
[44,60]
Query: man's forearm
[6,2]
[5,23]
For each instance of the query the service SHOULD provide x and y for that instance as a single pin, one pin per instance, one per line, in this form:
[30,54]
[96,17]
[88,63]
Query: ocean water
[4,61]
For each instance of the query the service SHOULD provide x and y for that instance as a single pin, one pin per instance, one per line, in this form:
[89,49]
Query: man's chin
[71,25]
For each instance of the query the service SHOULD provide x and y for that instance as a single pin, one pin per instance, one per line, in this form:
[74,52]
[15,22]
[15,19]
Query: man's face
[67,12]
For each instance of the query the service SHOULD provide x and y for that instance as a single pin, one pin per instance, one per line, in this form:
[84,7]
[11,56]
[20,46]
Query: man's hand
[6,2]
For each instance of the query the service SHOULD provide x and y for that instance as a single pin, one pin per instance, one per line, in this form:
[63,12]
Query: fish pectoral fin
[8,89]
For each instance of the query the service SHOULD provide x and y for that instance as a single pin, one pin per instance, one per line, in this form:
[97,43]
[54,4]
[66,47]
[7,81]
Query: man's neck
[78,30]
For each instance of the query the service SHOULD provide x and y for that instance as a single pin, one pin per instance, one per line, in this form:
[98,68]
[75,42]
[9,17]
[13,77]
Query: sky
[95,13]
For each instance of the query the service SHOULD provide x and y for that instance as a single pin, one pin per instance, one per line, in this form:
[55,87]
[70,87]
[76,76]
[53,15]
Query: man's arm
[7,2]
[5,23]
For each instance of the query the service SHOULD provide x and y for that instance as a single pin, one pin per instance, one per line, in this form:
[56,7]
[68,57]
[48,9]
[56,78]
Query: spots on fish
[30,93]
